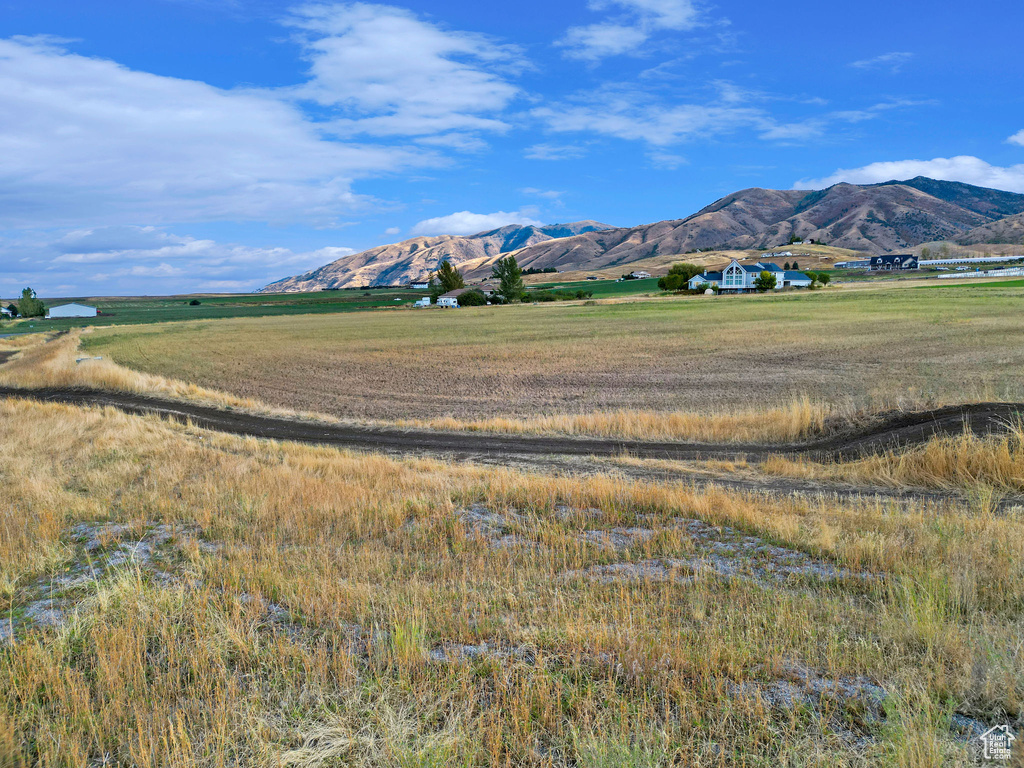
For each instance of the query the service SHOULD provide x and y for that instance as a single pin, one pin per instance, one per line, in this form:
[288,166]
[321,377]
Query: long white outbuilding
[72,310]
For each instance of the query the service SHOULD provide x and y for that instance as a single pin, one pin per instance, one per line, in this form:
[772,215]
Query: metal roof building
[72,310]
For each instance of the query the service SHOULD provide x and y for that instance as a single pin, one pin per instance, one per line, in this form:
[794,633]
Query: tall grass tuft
[799,420]
[984,464]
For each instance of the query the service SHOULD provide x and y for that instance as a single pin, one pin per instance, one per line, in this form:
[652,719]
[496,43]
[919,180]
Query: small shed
[72,310]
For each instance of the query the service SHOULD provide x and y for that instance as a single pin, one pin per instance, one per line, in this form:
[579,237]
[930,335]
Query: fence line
[1011,272]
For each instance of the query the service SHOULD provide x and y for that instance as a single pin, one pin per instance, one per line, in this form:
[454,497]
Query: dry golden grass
[190,672]
[50,360]
[796,421]
[964,461]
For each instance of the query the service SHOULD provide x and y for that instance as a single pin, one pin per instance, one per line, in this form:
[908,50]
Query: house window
[733,277]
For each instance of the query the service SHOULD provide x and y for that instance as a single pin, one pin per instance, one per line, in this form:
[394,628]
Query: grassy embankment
[309,616]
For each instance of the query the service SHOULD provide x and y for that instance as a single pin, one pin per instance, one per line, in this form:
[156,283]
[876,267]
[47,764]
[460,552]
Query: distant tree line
[510,288]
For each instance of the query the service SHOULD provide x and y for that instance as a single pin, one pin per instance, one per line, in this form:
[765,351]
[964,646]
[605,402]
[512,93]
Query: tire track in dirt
[888,432]
[571,454]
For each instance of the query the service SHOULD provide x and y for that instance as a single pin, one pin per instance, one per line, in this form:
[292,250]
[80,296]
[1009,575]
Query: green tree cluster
[765,281]
[446,278]
[30,306]
[510,280]
[822,278]
[472,298]
[678,276]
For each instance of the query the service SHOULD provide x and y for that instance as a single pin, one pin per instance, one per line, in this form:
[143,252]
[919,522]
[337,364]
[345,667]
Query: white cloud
[794,132]
[1017,138]
[965,168]
[596,41]
[633,114]
[467,223]
[461,142]
[628,114]
[554,152]
[88,140]
[387,73]
[892,61]
[392,231]
[129,260]
[550,194]
[631,26]
[666,161]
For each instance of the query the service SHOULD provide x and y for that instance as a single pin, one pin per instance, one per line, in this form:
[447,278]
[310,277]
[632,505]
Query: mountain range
[874,218]
[415,259]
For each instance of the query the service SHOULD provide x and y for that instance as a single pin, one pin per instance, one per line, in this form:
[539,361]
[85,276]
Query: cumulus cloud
[127,260]
[964,168]
[632,24]
[892,61]
[1017,138]
[88,140]
[388,73]
[468,223]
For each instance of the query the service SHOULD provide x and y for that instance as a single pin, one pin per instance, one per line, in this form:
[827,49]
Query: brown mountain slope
[1009,231]
[412,259]
[877,218]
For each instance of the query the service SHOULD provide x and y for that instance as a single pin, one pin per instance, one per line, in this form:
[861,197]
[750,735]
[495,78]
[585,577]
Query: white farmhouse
[639,275]
[739,278]
[450,299]
[72,310]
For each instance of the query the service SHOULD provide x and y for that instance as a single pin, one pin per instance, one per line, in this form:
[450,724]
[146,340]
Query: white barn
[72,310]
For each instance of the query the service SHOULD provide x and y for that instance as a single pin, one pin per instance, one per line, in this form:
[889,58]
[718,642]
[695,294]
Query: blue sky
[168,146]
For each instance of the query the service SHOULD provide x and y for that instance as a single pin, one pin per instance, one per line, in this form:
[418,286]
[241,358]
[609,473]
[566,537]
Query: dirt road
[887,432]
